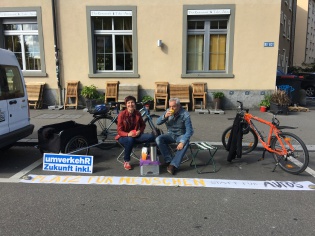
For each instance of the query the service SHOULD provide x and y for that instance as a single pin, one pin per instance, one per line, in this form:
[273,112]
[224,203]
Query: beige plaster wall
[254,66]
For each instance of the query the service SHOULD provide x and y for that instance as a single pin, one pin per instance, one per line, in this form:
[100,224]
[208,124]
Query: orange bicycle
[288,150]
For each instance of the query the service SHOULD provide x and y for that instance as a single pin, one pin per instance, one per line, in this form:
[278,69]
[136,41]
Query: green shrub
[218,94]
[90,92]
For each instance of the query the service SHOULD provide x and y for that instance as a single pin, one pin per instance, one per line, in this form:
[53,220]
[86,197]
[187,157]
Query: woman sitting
[130,128]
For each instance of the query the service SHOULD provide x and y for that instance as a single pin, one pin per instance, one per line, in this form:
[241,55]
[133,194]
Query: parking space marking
[26,170]
[8,180]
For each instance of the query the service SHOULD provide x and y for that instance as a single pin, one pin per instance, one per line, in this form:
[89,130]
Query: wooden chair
[111,93]
[71,93]
[199,92]
[35,94]
[160,94]
[180,91]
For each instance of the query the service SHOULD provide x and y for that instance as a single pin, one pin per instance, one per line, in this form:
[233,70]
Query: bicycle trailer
[57,138]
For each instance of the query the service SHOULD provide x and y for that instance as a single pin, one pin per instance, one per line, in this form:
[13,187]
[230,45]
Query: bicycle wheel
[150,126]
[249,141]
[106,131]
[297,160]
[78,143]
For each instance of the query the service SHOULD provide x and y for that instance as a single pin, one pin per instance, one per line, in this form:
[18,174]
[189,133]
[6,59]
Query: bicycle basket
[99,109]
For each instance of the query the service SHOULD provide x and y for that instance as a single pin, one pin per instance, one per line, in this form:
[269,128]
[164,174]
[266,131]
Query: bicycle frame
[273,133]
[144,113]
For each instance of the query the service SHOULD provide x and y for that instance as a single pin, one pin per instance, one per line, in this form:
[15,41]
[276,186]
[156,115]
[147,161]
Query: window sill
[34,74]
[114,75]
[207,75]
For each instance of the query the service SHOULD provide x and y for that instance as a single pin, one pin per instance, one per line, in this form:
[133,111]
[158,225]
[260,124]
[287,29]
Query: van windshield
[11,85]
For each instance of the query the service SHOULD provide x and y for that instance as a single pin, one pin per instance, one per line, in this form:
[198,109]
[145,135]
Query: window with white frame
[281,18]
[279,58]
[283,59]
[289,30]
[207,48]
[22,35]
[113,42]
[112,45]
[284,25]
[22,39]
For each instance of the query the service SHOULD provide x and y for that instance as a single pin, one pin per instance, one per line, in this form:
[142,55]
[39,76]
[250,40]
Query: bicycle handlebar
[241,105]
[275,121]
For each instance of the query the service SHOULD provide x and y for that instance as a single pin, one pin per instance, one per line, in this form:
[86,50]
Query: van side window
[11,85]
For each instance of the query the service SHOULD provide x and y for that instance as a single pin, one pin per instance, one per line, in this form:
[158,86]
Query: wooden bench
[180,91]
[35,92]
[127,90]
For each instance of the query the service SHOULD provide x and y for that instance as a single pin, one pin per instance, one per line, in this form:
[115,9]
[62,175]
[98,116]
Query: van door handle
[13,102]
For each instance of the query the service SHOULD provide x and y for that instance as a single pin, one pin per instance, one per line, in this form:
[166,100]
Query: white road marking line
[23,172]
[8,180]
[310,171]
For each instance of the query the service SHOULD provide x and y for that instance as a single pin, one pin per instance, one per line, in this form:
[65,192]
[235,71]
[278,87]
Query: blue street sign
[269,44]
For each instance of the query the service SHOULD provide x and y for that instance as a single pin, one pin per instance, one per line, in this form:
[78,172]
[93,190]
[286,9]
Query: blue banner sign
[68,163]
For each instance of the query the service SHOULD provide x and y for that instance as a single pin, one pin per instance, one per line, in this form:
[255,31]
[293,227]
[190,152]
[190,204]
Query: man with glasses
[179,131]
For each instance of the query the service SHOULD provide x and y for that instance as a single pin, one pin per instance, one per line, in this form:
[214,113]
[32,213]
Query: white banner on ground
[176,182]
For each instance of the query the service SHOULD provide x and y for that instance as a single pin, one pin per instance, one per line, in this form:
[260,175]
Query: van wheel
[6,147]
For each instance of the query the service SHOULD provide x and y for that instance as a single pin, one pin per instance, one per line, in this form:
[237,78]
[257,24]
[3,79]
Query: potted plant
[91,96]
[217,99]
[146,99]
[279,100]
[265,103]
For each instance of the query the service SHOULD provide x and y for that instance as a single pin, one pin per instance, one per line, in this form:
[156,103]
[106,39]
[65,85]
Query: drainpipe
[56,50]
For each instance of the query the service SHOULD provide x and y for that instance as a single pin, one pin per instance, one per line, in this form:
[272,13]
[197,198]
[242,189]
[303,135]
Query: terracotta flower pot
[263,109]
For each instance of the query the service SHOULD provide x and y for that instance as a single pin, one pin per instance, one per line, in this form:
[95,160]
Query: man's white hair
[176,100]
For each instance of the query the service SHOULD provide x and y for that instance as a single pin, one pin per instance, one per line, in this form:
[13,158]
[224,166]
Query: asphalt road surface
[124,209]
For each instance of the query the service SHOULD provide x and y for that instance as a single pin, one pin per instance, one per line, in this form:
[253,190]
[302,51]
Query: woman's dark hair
[127,99]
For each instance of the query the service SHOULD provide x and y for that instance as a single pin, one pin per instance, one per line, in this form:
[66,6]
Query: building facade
[231,45]
[305,33]
[286,34]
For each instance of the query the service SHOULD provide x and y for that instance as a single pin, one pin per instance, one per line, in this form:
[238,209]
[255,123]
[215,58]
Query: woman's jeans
[162,142]
[128,143]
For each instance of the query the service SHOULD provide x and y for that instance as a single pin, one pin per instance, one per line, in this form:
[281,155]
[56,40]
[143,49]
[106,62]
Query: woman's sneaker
[127,166]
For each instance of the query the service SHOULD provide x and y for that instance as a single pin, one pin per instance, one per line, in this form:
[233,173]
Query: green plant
[147,98]
[90,92]
[266,101]
[280,97]
[218,94]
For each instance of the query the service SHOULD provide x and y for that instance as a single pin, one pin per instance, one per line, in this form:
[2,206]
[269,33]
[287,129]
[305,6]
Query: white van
[14,110]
